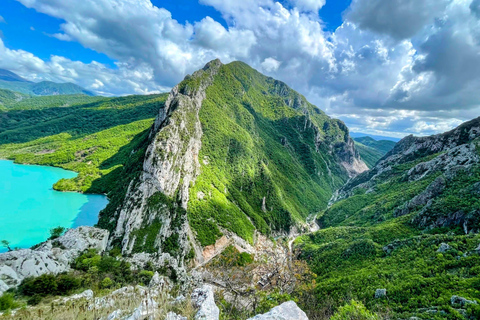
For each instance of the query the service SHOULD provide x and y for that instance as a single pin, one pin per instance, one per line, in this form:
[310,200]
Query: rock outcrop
[203,299]
[286,311]
[53,256]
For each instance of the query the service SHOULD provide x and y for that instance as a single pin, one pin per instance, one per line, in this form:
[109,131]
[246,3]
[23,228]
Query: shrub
[43,285]
[7,302]
[106,283]
[354,311]
[66,283]
[56,232]
[145,276]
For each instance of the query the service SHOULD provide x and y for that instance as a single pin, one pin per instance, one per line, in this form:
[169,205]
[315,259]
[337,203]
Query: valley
[235,181]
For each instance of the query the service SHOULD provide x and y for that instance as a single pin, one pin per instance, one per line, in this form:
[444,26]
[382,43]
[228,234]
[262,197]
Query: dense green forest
[372,150]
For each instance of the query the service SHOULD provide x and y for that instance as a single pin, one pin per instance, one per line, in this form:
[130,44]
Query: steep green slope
[259,137]
[95,139]
[410,225]
[236,151]
[372,150]
[368,154]
[382,146]
[16,100]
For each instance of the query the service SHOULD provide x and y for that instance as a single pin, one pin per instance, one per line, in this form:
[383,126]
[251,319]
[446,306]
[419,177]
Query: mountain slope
[232,152]
[13,82]
[10,76]
[372,150]
[409,225]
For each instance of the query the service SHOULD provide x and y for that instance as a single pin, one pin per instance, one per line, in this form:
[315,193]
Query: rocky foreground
[155,301]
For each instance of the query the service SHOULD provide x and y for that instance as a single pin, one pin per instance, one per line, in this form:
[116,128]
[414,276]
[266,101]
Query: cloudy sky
[384,67]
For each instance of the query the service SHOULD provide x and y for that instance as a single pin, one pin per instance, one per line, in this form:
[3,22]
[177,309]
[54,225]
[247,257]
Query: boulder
[443,247]
[203,299]
[174,316]
[286,311]
[380,293]
[460,301]
[53,256]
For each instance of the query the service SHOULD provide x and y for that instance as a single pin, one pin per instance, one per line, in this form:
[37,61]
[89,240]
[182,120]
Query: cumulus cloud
[308,5]
[399,18]
[392,68]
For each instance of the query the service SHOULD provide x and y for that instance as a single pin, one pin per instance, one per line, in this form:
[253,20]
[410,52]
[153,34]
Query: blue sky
[384,67]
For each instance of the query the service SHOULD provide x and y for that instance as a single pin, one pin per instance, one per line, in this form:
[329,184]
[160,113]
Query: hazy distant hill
[12,81]
[372,150]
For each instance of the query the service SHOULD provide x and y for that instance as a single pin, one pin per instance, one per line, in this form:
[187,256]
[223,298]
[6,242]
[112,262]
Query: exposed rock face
[202,298]
[457,301]
[286,311]
[380,293]
[170,166]
[53,256]
[443,157]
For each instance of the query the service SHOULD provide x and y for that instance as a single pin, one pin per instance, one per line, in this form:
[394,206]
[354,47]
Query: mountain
[409,225]
[6,75]
[372,150]
[13,82]
[8,98]
[376,137]
[232,153]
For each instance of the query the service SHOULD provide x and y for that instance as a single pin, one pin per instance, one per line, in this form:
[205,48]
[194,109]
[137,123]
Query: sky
[388,68]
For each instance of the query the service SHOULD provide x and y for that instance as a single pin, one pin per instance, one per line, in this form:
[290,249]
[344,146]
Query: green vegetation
[96,139]
[354,311]
[382,146]
[260,142]
[369,242]
[13,82]
[372,150]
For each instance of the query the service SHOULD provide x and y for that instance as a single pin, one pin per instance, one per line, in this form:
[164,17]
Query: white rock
[286,311]
[203,299]
[53,256]
[174,316]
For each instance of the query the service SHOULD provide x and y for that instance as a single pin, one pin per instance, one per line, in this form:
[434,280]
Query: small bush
[106,283]
[354,311]
[43,285]
[7,302]
[66,283]
[145,276]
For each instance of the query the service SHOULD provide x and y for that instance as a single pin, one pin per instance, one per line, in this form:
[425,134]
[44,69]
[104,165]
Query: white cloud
[2,20]
[270,64]
[399,66]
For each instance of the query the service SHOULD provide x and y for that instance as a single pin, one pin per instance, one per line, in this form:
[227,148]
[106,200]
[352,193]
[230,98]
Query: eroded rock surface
[53,256]
[286,311]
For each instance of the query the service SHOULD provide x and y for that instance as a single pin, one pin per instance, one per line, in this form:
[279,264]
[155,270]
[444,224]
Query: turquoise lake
[29,207]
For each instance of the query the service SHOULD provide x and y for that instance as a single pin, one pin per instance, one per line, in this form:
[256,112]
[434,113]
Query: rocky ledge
[52,256]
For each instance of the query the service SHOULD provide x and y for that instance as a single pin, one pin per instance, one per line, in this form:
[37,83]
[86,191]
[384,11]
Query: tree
[56,232]
[354,311]
[6,244]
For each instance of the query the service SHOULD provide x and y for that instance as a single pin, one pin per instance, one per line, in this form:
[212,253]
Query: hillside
[410,226]
[233,152]
[372,150]
[93,136]
[13,82]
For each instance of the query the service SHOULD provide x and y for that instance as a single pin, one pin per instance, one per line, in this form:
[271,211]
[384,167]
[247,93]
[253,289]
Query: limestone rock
[286,311]
[380,293]
[174,316]
[460,301]
[443,247]
[53,256]
[203,299]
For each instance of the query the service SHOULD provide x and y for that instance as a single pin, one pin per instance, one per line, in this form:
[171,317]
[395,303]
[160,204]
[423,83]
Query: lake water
[29,207]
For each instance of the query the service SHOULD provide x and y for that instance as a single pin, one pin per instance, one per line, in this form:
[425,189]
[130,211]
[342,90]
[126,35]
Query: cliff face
[440,175]
[232,153]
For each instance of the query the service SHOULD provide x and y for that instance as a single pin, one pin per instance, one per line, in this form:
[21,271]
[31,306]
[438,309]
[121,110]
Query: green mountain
[372,150]
[410,226]
[94,136]
[13,82]
[232,153]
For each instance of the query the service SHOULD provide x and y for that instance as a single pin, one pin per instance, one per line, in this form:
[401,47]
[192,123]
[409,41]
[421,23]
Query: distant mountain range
[376,137]
[372,150]
[13,82]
